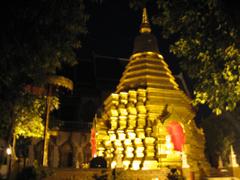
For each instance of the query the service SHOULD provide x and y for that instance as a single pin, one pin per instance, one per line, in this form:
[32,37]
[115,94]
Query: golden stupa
[148,122]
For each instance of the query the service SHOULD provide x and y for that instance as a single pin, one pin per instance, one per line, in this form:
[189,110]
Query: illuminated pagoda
[148,122]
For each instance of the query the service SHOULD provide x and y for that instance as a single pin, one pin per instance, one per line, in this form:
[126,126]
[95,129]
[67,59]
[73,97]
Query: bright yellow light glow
[138,141]
[112,135]
[113,164]
[127,142]
[117,142]
[126,164]
[8,151]
[114,118]
[140,155]
[129,152]
[129,149]
[146,53]
[123,112]
[139,150]
[114,112]
[122,136]
[131,135]
[136,165]
[141,135]
[168,138]
[169,144]
[107,143]
[150,164]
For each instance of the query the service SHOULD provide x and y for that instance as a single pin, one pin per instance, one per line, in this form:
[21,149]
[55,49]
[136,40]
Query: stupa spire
[145,26]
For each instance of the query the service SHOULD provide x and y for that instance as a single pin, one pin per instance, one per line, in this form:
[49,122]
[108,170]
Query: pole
[9,166]
[9,153]
[46,135]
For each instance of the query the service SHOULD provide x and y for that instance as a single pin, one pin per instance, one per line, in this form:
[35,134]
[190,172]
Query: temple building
[148,122]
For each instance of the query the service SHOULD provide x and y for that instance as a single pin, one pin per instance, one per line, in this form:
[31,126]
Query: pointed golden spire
[145,26]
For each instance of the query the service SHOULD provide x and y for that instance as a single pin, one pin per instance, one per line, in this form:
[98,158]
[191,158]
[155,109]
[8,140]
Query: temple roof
[147,67]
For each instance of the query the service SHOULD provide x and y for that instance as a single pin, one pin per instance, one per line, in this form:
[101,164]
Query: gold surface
[146,100]
[145,26]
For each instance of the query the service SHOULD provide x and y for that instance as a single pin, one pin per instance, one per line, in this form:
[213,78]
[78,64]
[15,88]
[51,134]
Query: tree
[206,40]
[221,132]
[29,122]
[36,38]
[30,113]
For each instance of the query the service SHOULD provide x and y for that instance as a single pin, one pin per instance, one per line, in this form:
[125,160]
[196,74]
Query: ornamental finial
[145,26]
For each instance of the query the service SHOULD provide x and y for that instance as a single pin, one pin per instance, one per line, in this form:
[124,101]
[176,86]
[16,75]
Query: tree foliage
[36,38]
[206,37]
[30,116]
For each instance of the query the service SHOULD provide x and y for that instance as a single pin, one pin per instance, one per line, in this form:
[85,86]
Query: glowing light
[112,136]
[118,143]
[136,165]
[177,135]
[168,138]
[126,164]
[127,142]
[8,151]
[169,144]
[114,112]
[93,142]
[131,135]
[113,164]
[138,141]
[129,154]
[122,136]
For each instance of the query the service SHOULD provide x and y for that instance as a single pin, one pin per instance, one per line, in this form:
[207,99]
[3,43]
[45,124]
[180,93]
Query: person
[175,174]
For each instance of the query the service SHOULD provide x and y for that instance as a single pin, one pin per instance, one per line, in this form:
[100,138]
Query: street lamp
[8,151]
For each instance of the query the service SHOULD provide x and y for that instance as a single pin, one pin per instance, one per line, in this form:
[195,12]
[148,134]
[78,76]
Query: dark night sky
[112,28]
